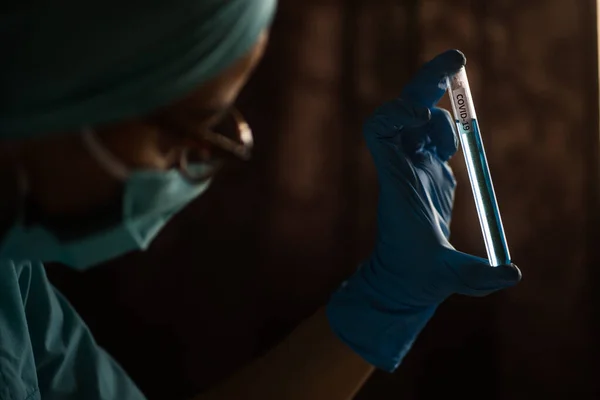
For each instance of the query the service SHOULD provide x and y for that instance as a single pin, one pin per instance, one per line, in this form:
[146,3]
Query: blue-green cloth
[46,351]
[71,63]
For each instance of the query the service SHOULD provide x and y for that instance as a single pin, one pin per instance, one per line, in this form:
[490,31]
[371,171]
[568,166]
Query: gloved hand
[382,308]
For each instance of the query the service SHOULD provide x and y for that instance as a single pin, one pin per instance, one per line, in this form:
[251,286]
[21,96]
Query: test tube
[477,166]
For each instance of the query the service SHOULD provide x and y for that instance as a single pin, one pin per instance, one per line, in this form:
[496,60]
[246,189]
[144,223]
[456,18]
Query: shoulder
[18,377]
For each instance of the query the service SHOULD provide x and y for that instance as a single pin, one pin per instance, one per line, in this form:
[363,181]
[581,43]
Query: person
[108,115]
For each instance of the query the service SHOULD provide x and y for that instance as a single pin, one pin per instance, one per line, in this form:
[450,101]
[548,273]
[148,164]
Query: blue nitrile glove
[382,308]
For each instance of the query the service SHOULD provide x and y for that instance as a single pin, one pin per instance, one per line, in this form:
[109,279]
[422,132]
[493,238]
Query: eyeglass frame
[241,149]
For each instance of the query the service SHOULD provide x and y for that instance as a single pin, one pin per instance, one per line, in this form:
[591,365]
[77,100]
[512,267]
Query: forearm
[311,363]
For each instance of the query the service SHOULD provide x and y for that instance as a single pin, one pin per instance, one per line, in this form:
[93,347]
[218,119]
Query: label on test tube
[465,113]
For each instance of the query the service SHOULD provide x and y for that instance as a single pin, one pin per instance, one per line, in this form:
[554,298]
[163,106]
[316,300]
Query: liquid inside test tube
[477,167]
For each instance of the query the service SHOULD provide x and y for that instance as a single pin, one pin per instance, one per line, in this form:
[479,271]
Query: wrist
[374,324]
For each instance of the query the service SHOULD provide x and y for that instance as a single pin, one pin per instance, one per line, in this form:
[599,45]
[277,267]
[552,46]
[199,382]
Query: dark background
[263,249]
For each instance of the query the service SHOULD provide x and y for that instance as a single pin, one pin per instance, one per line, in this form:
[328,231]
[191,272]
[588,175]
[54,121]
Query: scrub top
[46,350]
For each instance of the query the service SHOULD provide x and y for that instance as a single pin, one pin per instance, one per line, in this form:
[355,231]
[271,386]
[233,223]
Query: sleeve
[51,352]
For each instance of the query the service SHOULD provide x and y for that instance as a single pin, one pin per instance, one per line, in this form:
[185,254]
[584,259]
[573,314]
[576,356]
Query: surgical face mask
[151,198]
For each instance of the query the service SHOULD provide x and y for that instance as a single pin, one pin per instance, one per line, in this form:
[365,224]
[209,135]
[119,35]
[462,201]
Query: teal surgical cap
[69,63]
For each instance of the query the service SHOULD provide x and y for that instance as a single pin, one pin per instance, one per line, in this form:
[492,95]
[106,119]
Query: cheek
[143,147]
[230,92]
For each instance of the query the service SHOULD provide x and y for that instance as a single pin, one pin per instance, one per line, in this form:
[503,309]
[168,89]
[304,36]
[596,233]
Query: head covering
[69,63]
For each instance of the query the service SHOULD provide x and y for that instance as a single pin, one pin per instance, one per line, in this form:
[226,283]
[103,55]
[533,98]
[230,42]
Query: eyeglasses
[231,138]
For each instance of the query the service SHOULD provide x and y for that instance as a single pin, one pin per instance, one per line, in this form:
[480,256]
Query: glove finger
[442,134]
[429,84]
[476,277]
[438,184]
[415,140]
[393,116]
[438,136]
[382,129]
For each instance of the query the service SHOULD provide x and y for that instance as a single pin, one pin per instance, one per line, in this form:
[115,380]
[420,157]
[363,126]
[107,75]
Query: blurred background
[235,272]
